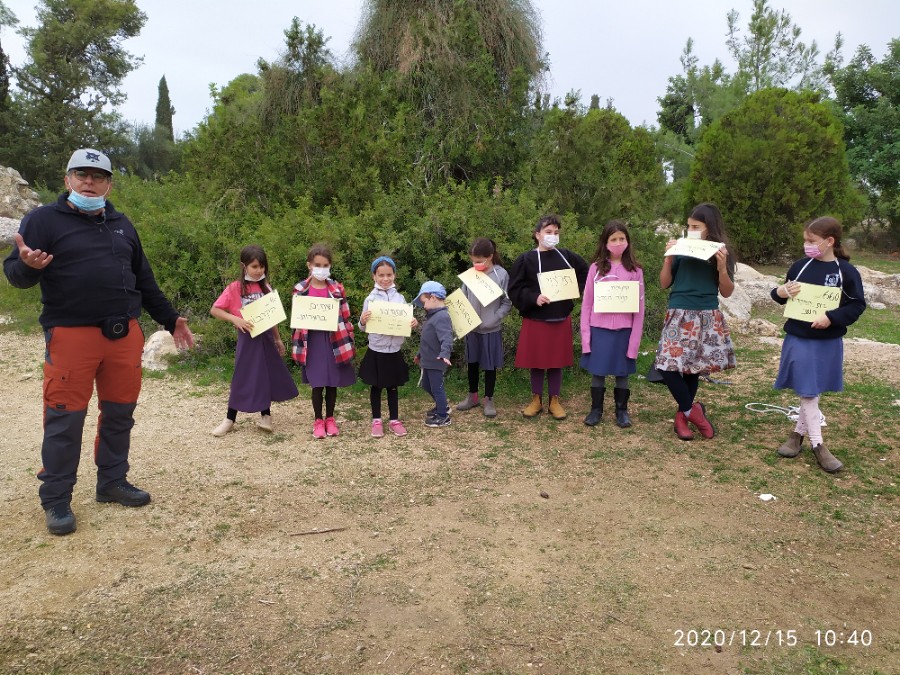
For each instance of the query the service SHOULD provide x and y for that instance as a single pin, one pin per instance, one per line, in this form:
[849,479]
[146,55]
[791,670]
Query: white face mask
[550,240]
[695,234]
[247,277]
[321,273]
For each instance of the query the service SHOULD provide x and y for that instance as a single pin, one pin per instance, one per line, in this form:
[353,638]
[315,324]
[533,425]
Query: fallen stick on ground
[327,529]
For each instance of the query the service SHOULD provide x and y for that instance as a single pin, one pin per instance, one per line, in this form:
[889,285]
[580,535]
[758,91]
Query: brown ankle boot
[791,447]
[826,460]
[534,408]
[556,408]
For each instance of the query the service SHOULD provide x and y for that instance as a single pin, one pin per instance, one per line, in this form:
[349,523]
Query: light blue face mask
[84,203]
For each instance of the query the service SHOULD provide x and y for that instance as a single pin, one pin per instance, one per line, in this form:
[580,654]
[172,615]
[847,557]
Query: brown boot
[535,408]
[556,409]
[826,460]
[791,447]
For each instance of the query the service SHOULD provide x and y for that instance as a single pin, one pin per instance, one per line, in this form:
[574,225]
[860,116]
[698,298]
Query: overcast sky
[625,51]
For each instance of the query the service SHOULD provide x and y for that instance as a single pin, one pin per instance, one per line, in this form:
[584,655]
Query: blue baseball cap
[432,288]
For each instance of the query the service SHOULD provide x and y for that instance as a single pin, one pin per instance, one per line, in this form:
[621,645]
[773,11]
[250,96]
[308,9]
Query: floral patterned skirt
[695,341]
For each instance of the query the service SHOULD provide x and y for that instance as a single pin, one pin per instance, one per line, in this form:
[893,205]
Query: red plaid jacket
[341,339]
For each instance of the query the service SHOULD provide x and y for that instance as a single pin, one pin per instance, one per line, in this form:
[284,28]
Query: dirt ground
[499,546]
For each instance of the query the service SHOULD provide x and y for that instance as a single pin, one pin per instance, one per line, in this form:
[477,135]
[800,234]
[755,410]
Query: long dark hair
[250,254]
[486,248]
[601,255]
[709,215]
[825,227]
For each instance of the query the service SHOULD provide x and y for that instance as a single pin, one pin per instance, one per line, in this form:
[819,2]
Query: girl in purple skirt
[260,374]
[326,356]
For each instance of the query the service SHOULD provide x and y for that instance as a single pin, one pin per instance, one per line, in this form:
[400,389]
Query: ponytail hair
[486,248]
[825,227]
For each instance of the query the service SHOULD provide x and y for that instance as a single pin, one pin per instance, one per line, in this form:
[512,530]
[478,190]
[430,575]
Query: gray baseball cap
[85,158]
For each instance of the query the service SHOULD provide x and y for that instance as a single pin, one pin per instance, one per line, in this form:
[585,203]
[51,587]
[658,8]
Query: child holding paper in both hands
[610,340]
[383,366]
[484,344]
[260,375]
[813,352]
[545,343]
[695,338]
[326,356]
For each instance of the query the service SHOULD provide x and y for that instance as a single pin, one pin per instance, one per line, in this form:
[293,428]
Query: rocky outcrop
[16,199]
[880,287]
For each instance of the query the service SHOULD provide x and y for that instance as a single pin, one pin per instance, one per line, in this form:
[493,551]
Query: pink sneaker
[319,429]
[377,429]
[397,427]
[331,427]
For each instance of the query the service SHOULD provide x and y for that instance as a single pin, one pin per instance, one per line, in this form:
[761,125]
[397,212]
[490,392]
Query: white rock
[737,306]
[876,305]
[766,497]
[159,346]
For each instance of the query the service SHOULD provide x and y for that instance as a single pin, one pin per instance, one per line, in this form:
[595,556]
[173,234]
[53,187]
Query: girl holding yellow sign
[484,344]
[325,353]
[612,320]
[383,366]
[695,338]
[812,355]
[541,287]
[260,375]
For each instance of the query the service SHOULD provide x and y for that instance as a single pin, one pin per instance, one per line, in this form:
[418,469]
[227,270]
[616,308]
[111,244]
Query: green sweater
[695,284]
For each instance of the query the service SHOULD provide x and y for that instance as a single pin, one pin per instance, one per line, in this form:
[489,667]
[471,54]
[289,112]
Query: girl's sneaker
[319,429]
[377,429]
[397,427]
[265,423]
[331,427]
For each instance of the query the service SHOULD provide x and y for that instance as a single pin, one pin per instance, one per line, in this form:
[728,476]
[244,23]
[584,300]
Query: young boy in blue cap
[434,349]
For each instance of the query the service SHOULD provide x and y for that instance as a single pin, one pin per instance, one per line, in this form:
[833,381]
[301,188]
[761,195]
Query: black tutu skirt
[383,370]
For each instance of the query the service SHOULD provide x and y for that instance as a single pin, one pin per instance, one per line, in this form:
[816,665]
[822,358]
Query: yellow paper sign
[315,313]
[482,286]
[611,297]
[390,318]
[559,285]
[462,314]
[264,313]
[812,302]
[695,248]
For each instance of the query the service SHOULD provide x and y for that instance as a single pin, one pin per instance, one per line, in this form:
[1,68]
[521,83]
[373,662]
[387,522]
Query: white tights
[809,422]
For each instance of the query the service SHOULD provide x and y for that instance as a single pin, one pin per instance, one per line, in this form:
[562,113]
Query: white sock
[809,412]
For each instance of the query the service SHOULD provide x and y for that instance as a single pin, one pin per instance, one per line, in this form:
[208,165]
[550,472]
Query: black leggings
[490,380]
[683,387]
[393,397]
[330,398]
[232,413]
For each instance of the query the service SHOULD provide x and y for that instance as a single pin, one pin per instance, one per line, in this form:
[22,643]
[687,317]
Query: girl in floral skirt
[695,338]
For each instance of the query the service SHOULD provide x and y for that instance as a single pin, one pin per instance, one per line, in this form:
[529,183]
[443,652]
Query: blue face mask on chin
[85,203]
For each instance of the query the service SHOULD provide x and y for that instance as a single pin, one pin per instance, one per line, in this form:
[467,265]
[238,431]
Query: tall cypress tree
[164,109]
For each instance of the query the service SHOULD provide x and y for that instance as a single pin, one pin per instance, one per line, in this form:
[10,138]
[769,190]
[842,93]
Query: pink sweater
[612,321]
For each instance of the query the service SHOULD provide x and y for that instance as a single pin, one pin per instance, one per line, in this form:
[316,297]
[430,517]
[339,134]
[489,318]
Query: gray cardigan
[384,344]
[492,315]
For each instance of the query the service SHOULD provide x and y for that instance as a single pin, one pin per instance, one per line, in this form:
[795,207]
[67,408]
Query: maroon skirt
[545,344]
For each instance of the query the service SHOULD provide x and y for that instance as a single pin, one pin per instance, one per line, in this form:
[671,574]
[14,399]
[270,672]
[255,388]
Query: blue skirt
[608,349]
[485,349]
[811,367]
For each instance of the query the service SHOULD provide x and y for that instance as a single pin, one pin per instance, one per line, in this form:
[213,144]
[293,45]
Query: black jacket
[524,288]
[98,270]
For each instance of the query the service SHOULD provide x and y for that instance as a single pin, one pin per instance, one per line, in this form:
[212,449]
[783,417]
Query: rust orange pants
[75,359]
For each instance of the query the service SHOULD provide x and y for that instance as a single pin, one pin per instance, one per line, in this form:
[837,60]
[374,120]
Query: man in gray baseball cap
[95,280]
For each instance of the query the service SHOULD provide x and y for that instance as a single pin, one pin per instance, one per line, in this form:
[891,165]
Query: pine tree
[164,109]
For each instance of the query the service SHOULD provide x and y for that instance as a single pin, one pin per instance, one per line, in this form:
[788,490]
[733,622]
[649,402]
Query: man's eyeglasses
[98,176]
